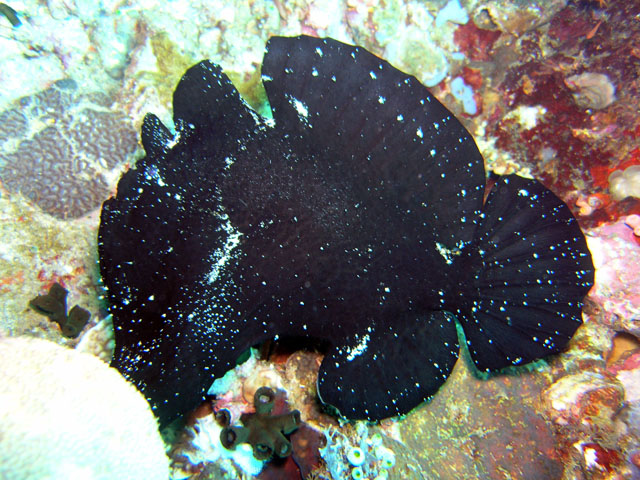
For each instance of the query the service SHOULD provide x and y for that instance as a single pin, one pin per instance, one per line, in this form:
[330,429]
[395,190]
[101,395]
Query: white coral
[67,415]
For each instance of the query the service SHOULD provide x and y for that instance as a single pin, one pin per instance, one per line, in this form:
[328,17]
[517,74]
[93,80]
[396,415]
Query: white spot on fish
[449,253]
[222,255]
[301,108]
[419,132]
[358,349]
[152,173]
[174,141]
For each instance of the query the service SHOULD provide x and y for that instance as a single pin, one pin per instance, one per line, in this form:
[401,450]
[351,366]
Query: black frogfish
[354,216]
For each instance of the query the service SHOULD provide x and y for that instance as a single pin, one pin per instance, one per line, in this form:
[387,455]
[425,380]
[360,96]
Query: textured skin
[355,217]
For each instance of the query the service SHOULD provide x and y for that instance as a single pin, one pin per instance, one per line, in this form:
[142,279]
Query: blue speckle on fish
[354,216]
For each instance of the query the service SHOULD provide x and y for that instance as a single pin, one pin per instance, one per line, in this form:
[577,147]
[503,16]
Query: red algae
[566,71]
[599,458]
[477,43]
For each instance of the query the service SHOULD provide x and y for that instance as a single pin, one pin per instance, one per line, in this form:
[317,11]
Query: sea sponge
[592,90]
[66,414]
[464,93]
[625,184]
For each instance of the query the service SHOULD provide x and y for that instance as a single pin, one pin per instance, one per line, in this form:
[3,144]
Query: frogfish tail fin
[527,272]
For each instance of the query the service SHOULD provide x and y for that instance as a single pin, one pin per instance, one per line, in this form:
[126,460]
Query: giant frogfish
[354,216]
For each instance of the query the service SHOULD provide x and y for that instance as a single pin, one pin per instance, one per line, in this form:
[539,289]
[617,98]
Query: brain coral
[56,146]
[65,414]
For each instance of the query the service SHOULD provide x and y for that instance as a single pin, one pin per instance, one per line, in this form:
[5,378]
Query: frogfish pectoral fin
[388,370]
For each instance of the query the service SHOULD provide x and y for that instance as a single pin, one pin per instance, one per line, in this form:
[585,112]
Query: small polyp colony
[358,458]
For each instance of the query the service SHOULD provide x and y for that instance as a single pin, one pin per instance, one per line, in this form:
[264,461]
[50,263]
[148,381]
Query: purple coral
[58,144]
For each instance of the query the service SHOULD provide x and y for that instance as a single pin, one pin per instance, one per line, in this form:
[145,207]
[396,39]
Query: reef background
[548,88]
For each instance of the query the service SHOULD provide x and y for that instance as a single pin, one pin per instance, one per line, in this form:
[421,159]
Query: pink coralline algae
[57,145]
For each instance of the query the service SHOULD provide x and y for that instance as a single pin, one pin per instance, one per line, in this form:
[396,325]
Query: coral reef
[592,90]
[66,414]
[36,251]
[321,447]
[478,428]
[589,97]
[359,456]
[564,419]
[200,447]
[98,340]
[464,93]
[633,222]
[291,380]
[59,146]
[265,432]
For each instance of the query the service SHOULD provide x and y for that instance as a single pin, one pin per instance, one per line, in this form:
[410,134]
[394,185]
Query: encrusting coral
[66,414]
[263,431]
